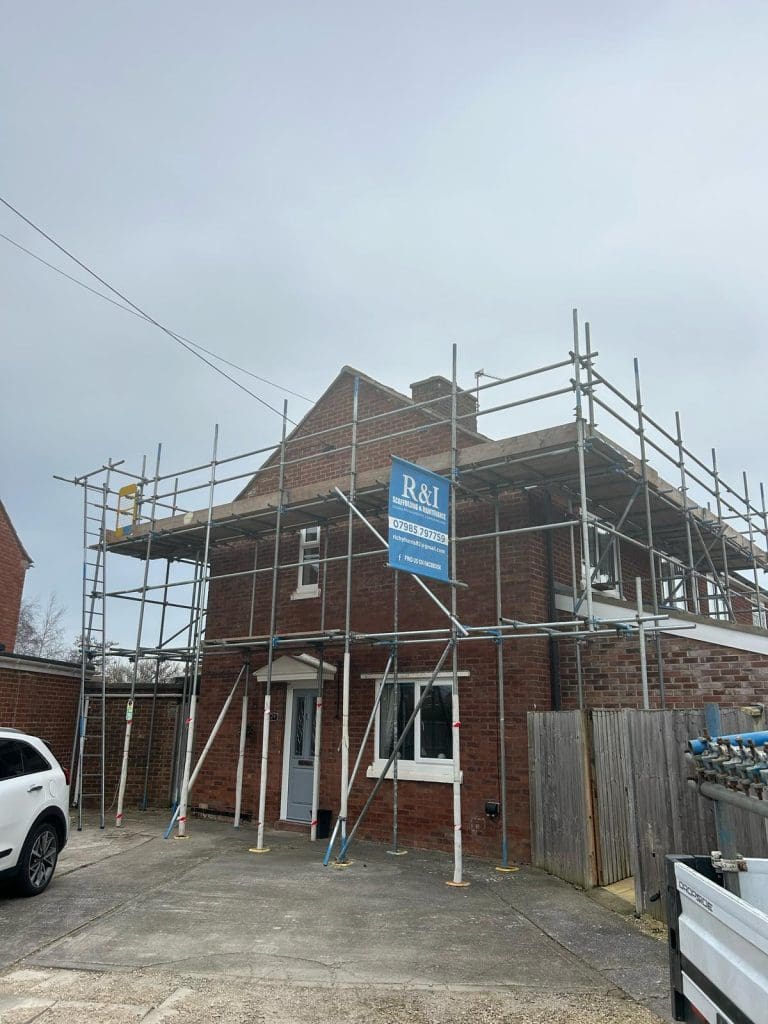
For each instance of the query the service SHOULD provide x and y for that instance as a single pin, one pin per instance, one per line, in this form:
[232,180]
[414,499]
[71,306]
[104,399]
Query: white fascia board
[703,632]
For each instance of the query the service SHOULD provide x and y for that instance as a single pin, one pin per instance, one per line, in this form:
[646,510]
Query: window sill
[415,771]
[302,593]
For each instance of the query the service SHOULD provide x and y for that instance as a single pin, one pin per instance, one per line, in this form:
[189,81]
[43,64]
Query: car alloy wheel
[39,861]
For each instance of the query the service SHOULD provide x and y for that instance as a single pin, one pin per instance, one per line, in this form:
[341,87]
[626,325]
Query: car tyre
[38,859]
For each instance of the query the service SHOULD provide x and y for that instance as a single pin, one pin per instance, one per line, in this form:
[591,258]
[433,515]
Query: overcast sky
[303,185]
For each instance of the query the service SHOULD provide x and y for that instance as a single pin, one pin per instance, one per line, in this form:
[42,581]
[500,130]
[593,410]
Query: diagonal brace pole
[420,582]
[396,750]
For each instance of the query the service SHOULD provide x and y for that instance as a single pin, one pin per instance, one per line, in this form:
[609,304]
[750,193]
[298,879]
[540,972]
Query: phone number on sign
[404,526]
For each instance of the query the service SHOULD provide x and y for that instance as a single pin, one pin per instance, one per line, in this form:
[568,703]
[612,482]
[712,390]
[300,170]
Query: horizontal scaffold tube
[712,791]
[699,746]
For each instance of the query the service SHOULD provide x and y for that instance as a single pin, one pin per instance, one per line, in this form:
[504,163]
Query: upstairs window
[309,563]
[717,606]
[672,584]
[604,560]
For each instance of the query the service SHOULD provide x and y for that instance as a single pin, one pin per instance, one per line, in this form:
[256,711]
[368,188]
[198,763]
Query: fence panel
[609,754]
[561,804]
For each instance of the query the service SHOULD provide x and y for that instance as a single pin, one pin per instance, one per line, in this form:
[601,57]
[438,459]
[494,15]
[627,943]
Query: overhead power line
[127,309]
[179,339]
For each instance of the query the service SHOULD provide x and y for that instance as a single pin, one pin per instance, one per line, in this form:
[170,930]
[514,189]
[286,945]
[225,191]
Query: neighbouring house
[38,695]
[526,543]
[14,562]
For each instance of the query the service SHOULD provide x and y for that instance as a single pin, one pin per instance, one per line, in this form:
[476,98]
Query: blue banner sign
[418,520]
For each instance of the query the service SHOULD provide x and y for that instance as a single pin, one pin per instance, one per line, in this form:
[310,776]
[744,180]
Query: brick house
[14,562]
[522,487]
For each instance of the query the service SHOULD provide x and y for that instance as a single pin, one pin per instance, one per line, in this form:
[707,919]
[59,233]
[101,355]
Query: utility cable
[190,347]
[127,309]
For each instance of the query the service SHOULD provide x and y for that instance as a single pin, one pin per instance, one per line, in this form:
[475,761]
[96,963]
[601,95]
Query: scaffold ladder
[91,724]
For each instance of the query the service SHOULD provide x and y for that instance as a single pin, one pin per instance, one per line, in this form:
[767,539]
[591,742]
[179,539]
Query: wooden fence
[609,797]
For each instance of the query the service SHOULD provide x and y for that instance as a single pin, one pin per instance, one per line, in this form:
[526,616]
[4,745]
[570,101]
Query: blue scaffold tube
[698,746]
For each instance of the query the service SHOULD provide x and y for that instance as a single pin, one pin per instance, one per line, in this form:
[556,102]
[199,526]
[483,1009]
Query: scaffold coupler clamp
[726,864]
[496,634]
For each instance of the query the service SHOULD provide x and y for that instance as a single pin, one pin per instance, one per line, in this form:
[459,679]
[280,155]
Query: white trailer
[718,941]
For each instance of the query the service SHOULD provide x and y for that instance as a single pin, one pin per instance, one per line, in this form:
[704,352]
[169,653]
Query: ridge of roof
[351,371]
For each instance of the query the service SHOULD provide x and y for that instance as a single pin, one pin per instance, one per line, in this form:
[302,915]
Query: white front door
[301,753]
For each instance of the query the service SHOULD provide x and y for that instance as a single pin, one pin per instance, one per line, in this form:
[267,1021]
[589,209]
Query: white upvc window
[308,584]
[672,584]
[717,606]
[604,553]
[759,617]
[427,753]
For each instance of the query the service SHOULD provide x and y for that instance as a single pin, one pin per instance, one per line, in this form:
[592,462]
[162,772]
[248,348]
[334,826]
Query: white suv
[34,801]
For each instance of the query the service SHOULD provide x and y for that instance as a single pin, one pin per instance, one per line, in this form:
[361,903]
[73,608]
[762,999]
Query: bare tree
[41,630]
[120,671]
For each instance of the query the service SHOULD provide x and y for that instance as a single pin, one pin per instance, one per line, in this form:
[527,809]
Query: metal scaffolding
[601,499]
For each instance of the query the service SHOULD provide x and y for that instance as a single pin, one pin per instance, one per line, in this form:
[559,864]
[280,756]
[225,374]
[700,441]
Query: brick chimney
[439,387]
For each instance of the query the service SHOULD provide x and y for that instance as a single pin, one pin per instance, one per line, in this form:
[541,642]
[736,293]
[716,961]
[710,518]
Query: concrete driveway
[137,928]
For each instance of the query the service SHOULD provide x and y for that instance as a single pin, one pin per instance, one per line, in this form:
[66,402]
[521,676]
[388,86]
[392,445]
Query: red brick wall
[13,568]
[43,703]
[425,808]
[311,459]
[694,673]
[161,759]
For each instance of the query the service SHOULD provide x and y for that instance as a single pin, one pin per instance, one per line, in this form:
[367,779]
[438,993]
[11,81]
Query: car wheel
[38,859]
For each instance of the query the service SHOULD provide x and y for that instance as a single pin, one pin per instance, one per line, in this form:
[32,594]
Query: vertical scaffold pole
[693,582]
[590,399]
[501,698]
[241,749]
[581,456]
[83,666]
[344,798]
[575,590]
[244,710]
[260,847]
[758,596]
[458,866]
[202,592]
[649,528]
[641,638]
[155,687]
[395,851]
[319,699]
[103,680]
[185,690]
[723,545]
[135,674]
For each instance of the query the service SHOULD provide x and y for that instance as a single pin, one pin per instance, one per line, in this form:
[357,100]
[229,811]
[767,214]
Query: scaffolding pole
[581,456]
[649,528]
[395,851]
[458,864]
[134,675]
[319,701]
[501,695]
[693,587]
[758,598]
[344,800]
[202,599]
[260,847]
